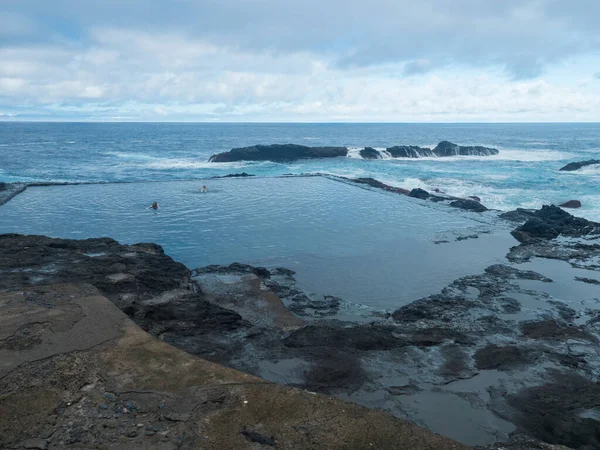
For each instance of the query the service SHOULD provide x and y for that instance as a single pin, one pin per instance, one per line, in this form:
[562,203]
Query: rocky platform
[77,372]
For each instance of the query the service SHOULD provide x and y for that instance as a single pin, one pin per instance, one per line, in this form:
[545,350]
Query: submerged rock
[278,153]
[578,165]
[370,153]
[235,175]
[571,204]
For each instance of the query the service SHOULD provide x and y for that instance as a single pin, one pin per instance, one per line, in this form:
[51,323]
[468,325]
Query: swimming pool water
[364,246]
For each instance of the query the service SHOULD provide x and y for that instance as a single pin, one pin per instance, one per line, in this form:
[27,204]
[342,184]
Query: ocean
[524,174]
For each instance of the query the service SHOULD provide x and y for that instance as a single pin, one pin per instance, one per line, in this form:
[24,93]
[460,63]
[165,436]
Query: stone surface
[89,383]
[578,165]
[370,153]
[278,152]
[419,193]
[468,205]
[571,204]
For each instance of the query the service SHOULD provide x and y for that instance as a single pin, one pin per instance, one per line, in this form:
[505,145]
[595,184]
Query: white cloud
[149,75]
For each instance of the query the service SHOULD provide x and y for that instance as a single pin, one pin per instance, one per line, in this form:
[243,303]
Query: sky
[300,60]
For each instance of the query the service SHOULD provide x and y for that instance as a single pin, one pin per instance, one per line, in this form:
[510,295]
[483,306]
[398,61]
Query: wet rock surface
[235,175]
[369,153]
[468,205]
[446,148]
[409,151]
[293,152]
[571,204]
[578,165]
[278,152]
[9,190]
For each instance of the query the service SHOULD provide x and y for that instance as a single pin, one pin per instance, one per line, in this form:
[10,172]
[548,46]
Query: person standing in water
[204,188]
[154,205]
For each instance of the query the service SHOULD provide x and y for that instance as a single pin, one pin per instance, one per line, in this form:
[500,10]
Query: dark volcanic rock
[561,412]
[238,268]
[571,204]
[446,148]
[409,151]
[3,187]
[142,270]
[588,280]
[518,215]
[468,205]
[443,149]
[578,165]
[503,358]
[508,272]
[235,175]
[378,184]
[550,222]
[278,153]
[367,337]
[553,330]
[253,436]
[186,316]
[419,193]
[370,153]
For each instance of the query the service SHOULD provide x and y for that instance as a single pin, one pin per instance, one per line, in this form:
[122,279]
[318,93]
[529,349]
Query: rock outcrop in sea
[293,152]
[578,165]
[278,153]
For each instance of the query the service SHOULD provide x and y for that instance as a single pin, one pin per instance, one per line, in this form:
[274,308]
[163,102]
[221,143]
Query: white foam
[503,155]
[175,163]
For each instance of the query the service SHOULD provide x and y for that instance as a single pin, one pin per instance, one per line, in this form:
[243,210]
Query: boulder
[571,204]
[409,151]
[370,153]
[278,153]
[579,164]
[468,205]
[419,193]
[446,148]
[551,221]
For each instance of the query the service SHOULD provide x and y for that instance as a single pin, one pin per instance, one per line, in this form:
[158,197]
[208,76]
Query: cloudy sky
[300,60]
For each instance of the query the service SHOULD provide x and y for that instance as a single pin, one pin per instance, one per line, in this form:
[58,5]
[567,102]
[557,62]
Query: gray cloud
[525,36]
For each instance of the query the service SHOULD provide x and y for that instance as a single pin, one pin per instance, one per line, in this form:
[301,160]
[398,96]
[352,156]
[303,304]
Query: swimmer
[204,188]
[154,205]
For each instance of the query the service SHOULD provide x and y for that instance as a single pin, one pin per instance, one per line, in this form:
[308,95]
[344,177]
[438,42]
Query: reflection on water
[368,247]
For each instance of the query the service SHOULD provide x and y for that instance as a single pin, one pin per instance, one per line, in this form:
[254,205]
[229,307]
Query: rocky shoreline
[507,355]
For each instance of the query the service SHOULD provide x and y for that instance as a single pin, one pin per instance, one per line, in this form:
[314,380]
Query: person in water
[204,188]
[154,205]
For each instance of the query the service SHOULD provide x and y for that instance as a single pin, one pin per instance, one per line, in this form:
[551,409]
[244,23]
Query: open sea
[524,174]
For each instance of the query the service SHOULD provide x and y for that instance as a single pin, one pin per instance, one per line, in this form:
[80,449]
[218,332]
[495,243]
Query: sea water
[524,174]
[370,247]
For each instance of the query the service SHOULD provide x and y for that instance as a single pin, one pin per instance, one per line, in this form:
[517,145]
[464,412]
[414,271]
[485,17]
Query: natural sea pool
[365,246]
